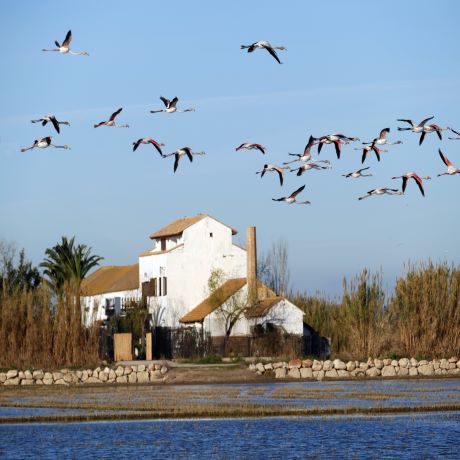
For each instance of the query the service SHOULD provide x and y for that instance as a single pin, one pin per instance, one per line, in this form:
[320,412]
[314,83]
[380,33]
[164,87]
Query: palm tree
[68,263]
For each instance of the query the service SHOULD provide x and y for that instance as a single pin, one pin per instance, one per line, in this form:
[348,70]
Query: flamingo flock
[303,161]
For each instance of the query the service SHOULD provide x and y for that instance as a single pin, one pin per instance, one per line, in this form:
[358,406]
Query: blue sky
[352,67]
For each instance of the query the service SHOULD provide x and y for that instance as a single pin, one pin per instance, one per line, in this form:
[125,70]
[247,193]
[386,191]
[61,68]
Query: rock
[96,374]
[260,367]
[103,376]
[68,378]
[295,363]
[364,366]
[268,367]
[132,378]
[93,379]
[128,370]
[403,371]
[252,367]
[394,363]
[339,364]
[58,376]
[21,375]
[319,375]
[163,370]
[84,376]
[351,366]
[327,365]
[458,364]
[2,377]
[294,373]
[98,369]
[142,376]
[60,382]
[134,368]
[387,362]
[157,367]
[28,375]
[455,371]
[444,364]
[307,363]
[388,371]
[425,369]
[378,363]
[12,381]
[317,365]
[413,362]
[403,362]
[436,364]
[155,375]
[280,373]
[423,362]
[306,373]
[444,371]
[413,371]
[373,372]
[27,382]
[47,381]
[342,373]
[89,372]
[48,375]
[453,359]
[277,365]
[451,366]
[122,379]
[151,367]
[331,374]
[39,382]
[112,375]
[438,371]
[79,374]
[11,374]
[141,368]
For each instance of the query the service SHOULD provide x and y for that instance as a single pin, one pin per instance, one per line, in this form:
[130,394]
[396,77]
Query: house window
[163,244]
[210,235]
[159,288]
[165,285]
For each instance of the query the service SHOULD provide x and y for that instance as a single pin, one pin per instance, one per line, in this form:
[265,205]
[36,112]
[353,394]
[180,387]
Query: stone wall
[313,369]
[119,374]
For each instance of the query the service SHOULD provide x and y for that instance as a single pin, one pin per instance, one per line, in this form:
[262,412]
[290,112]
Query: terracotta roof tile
[262,307]
[112,279]
[151,252]
[179,225]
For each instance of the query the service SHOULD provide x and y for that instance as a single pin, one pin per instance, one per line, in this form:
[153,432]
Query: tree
[66,262]
[20,276]
[273,268]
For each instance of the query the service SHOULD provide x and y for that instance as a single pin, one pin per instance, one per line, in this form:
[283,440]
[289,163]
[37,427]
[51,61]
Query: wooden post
[122,344]
[148,346]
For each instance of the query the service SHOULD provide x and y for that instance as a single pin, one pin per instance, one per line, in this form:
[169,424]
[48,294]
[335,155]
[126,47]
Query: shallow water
[402,436]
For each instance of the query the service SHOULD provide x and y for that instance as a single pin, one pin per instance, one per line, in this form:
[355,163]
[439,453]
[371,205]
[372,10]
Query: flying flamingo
[455,132]
[267,46]
[51,119]
[381,191]
[307,166]
[415,128]
[64,47]
[179,153]
[292,197]
[451,169]
[429,129]
[44,143]
[249,146]
[367,149]
[418,180]
[382,139]
[274,168]
[358,173]
[306,155]
[337,140]
[170,106]
[111,121]
[148,140]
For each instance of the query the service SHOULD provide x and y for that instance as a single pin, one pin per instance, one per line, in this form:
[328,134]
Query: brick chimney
[251,266]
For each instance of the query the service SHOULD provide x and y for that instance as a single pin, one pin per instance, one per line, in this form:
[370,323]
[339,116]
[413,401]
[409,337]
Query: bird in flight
[292,197]
[381,191]
[148,140]
[274,168]
[170,106]
[358,173]
[267,46]
[43,144]
[451,169]
[111,121]
[455,138]
[337,140]
[51,119]
[179,153]
[417,179]
[367,149]
[64,48]
[382,139]
[249,146]
[306,155]
[307,166]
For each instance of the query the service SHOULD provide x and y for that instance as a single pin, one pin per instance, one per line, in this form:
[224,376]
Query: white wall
[283,314]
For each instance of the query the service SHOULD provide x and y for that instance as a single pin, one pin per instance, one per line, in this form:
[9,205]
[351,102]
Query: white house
[173,277]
